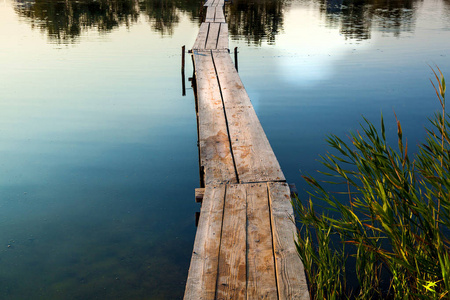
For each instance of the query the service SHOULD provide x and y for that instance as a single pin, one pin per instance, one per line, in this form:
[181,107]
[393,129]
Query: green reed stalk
[397,219]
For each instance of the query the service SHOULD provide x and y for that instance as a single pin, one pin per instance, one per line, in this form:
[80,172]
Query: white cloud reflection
[310,48]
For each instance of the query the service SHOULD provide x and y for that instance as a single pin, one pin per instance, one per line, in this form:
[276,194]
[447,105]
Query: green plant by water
[395,225]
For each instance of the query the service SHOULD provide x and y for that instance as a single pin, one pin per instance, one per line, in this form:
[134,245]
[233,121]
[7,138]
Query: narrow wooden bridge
[244,247]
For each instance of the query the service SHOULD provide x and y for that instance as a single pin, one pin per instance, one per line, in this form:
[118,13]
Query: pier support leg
[236,58]
[183,84]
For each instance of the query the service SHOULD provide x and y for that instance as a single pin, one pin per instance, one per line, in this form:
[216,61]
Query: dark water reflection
[261,20]
[64,21]
[355,18]
[254,21]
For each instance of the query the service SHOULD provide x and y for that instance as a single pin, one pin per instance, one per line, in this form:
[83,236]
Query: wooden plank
[219,3]
[253,155]
[200,41]
[210,13]
[202,277]
[199,194]
[291,279]
[214,145]
[231,281]
[261,279]
[213,36]
[219,17]
[222,43]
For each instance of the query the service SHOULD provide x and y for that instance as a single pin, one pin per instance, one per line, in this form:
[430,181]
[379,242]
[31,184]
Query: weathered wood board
[213,36]
[222,43]
[254,158]
[202,278]
[214,14]
[219,17]
[200,41]
[210,14]
[261,278]
[291,277]
[214,3]
[214,145]
[232,273]
[244,247]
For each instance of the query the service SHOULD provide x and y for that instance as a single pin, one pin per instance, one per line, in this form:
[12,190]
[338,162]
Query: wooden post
[183,85]
[236,58]
[182,57]
[194,82]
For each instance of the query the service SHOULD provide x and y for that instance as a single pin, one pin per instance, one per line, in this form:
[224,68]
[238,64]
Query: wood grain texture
[219,17]
[202,277]
[217,3]
[261,278]
[254,158]
[231,281]
[222,43]
[244,247]
[200,41]
[291,278]
[214,145]
[213,36]
[210,13]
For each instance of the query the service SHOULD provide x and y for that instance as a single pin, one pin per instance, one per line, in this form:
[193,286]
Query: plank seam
[207,35]
[273,242]
[202,176]
[218,38]
[263,181]
[246,242]
[226,119]
[220,242]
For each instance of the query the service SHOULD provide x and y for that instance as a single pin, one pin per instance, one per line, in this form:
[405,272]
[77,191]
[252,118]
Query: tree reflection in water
[252,20]
[357,18]
[65,20]
[261,20]
[255,20]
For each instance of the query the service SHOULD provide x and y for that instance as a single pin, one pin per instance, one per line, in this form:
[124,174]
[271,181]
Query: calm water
[98,157]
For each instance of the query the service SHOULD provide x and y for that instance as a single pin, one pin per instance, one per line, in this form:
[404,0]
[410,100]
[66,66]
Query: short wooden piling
[183,79]
[236,58]
[183,58]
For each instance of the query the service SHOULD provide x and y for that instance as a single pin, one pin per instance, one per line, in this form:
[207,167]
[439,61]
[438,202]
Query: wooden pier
[244,247]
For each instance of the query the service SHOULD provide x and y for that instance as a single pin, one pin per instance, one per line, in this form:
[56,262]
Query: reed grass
[396,224]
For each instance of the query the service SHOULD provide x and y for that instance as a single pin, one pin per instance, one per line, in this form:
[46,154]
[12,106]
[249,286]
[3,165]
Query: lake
[98,147]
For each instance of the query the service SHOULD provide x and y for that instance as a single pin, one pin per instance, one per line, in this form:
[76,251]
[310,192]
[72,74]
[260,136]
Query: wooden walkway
[244,247]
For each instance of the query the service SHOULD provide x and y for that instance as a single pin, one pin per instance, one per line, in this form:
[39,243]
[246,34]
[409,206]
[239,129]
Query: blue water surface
[98,155]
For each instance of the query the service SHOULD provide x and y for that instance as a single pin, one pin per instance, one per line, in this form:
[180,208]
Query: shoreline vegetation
[392,231]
